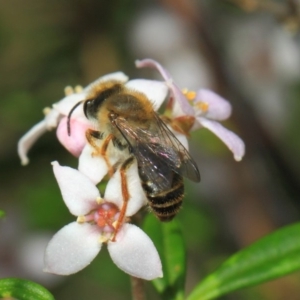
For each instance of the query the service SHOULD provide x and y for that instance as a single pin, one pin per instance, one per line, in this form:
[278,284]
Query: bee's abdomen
[165,203]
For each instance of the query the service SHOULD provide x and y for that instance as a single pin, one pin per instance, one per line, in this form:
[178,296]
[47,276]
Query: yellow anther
[99,200]
[78,89]
[46,110]
[103,239]
[203,106]
[80,219]
[190,95]
[69,90]
[184,91]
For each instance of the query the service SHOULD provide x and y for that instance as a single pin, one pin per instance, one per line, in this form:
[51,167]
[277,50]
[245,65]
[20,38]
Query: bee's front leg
[93,138]
[125,194]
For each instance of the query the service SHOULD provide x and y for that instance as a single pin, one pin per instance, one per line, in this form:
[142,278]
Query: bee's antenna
[69,116]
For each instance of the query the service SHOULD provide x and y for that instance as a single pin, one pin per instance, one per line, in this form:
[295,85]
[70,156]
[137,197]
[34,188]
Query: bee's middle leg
[92,137]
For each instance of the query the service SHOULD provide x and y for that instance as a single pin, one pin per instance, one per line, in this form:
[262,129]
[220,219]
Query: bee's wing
[158,150]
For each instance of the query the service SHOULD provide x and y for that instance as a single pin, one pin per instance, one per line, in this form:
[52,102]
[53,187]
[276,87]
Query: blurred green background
[246,50]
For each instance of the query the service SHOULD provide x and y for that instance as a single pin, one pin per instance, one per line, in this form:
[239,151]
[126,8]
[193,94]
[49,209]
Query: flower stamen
[190,95]
[68,90]
[203,106]
[78,89]
[81,219]
[46,110]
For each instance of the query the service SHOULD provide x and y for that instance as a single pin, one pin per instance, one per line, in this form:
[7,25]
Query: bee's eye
[87,107]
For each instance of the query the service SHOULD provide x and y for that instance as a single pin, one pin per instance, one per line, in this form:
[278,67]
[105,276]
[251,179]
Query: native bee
[126,119]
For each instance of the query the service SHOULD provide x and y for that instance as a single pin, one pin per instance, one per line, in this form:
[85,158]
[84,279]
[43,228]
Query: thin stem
[137,288]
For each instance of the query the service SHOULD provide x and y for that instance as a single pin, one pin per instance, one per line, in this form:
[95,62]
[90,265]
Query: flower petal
[156,91]
[94,167]
[77,140]
[65,105]
[177,94]
[118,76]
[218,107]
[72,249]
[52,118]
[134,253]
[230,139]
[78,192]
[113,192]
[182,139]
[27,140]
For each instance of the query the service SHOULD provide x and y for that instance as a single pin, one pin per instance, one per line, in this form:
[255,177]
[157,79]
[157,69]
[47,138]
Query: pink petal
[72,249]
[176,92]
[230,139]
[78,192]
[218,107]
[94,167]
[113,192]
[77,140]
[156,91]
[134,253]
[27,140]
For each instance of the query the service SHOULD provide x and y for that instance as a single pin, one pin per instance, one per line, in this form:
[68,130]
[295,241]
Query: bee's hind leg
[125,194]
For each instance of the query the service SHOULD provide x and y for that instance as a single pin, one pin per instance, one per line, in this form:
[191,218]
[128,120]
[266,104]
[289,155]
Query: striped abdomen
[165,203]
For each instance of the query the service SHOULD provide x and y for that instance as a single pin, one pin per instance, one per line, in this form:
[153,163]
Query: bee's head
[92,105]
[100,93]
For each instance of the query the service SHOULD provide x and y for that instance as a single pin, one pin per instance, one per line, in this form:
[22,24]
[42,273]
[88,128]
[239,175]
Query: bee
[127,120]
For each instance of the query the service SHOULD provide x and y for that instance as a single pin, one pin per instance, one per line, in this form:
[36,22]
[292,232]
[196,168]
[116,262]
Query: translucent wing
[158,151]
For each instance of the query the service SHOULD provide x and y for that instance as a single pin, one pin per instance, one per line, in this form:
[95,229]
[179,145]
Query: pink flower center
[104,216]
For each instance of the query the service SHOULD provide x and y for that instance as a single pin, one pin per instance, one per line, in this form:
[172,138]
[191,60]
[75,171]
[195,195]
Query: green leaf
[23,290]
[168,240]
[2,214]
[273,256]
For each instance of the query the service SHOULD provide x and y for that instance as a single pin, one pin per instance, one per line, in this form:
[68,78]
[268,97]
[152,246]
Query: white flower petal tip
[234,143]
[78,191]
[135,253]
[239,153]
[94,167]
[26,142]
[71,249]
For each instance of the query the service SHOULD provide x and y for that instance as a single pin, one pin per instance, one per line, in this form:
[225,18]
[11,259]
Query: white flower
[77,244]
[57,117]
[204,109]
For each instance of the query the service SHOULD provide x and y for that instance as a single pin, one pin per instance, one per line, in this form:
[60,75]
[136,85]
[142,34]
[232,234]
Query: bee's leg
[92,136]
[103,151]
[125,194]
